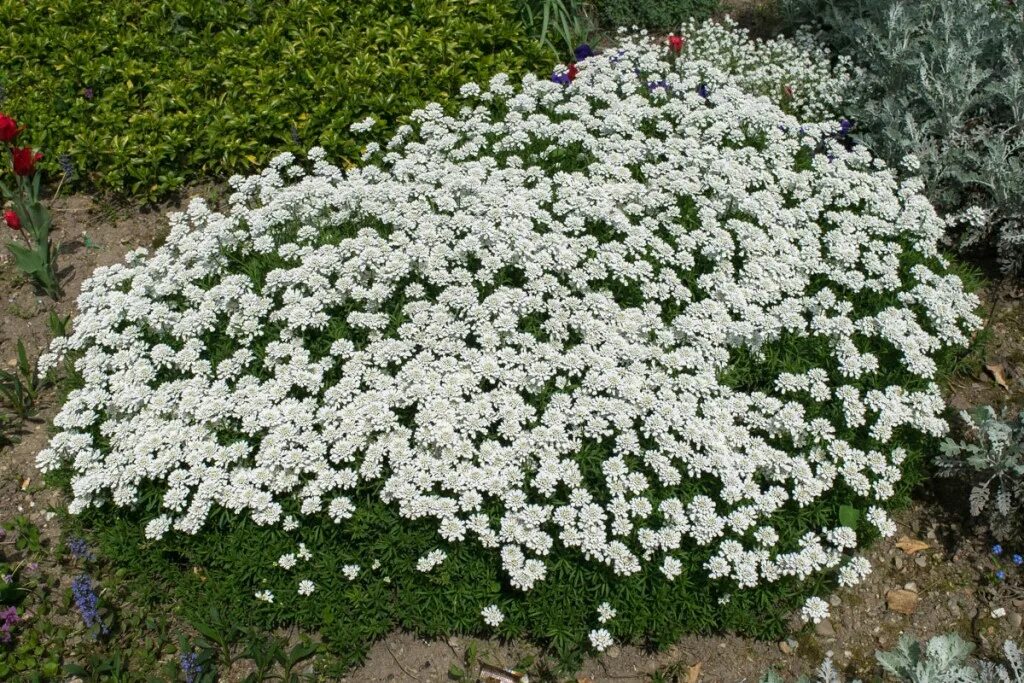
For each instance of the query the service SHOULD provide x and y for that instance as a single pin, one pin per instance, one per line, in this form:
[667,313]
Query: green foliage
[945,659]
[20,387]
[37,258]
[146,97]
[992,461]
[943,81]
[654,14]
[560,25]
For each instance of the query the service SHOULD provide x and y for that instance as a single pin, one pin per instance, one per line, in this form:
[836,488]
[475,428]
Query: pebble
[784,648]
[921,561]
[1015,620]
[825,629]
[898,561]
[614,651]
[835,601]
[910,586]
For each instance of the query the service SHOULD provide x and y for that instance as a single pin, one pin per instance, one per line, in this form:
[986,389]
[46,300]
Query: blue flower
[654,85]
[702,90]
[561,77]
[845,125]
[997,549]
[190,666]
[78,547]
[1018,560]
[1001,575]
[582,52]
[87,601]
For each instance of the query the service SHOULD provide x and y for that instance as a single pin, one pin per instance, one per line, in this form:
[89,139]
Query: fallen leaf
[693,673]
[998,373]
[25,482]
[901,600]
[911,545]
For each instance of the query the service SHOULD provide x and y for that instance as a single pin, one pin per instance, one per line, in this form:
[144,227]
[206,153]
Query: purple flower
[8,578]
[87,93]
[560,77]
[79,548]
[997,549]
[1001,575]
[190,666]
[1018,560]
[654,85]
[87,602]
[703,91]
[845,125]
[582,52]
[8,619]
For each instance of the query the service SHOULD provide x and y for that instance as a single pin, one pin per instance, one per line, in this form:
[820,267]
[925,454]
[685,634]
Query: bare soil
[950,579]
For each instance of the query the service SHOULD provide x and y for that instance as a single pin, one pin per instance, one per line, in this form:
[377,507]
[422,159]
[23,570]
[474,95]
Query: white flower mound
[496,324]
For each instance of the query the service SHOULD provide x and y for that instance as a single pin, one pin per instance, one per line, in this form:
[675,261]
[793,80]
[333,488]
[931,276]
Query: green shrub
[943,81]
[145,97]
[654,14]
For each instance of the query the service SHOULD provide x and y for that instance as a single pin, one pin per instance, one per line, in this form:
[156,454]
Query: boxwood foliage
[144,97]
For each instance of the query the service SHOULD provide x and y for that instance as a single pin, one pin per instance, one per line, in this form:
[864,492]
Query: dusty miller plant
[945,659]
[944,81]
[993,460]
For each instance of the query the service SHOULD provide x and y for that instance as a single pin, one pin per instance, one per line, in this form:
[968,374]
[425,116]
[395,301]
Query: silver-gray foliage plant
[992,459]
[945,659]
[943,81]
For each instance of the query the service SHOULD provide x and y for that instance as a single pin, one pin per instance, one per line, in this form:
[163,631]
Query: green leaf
[848,516]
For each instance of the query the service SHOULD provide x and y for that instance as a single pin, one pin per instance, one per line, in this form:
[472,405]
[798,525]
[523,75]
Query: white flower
[306,587]
[431,560]
[265,596]
[601,640]
[671,567]
[605,612]
[362,126]
[502,312]
[815,610]
[157,527]
[492,616]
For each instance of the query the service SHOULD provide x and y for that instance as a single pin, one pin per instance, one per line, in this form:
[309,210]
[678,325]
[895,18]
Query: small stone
[793,644]
[1018,602]
[921,561]
[931,535]
[614,651]
[1015,620]
[910,586]
[901,600]
[825,629]
[898,561]
[784,648]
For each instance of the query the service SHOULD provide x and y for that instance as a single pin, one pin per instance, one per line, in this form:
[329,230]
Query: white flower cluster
[530,307]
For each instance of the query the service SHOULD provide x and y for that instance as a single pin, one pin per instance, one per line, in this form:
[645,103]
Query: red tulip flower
[676,43]
[13,222]
[24,160]
[8,128]
[572,72]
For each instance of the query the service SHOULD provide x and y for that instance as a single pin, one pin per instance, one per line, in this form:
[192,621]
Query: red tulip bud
[572,71]
[12,220]
[24,160]
[8,128]
[676,43]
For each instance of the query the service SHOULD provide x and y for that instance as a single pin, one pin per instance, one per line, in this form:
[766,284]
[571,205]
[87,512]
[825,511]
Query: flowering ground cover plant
[605,357]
